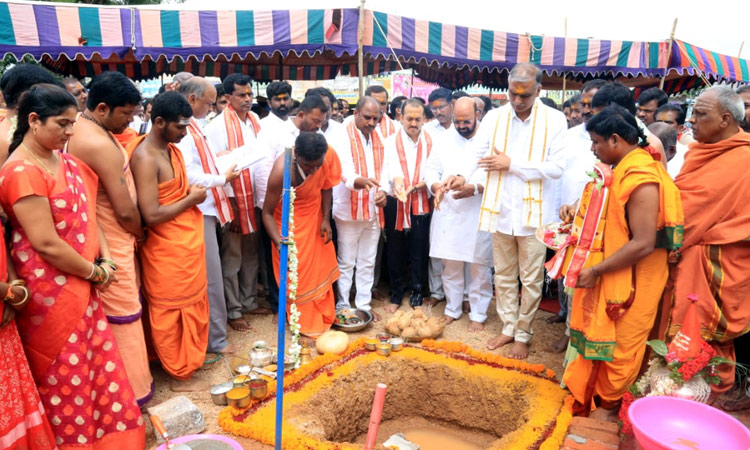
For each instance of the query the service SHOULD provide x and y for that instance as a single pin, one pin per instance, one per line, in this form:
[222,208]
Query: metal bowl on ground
[352,320]
[219,393]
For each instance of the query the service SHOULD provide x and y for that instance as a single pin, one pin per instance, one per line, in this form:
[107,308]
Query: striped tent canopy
[314,44]
[472,54]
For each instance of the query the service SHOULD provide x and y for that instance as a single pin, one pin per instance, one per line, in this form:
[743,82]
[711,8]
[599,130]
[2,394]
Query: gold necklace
[44,166]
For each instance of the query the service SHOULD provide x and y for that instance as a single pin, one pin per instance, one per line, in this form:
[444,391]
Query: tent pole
[739,54]
[669,53]
[564,77]
[283,263]
[360,44]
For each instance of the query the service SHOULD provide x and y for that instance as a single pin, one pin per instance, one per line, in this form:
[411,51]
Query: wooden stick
[360,44]
[564,77]
[739,54]
[669,53]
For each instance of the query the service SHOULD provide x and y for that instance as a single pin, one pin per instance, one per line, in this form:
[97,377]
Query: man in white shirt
[357,204]
[330,128]
[674,116]
[386,126]
[236,129]
[466,252]
[200,165]
[279,95]
[440,102]
[407,223]
[522,148]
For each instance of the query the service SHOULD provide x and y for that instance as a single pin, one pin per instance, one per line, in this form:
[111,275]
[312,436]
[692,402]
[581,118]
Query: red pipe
[375,415]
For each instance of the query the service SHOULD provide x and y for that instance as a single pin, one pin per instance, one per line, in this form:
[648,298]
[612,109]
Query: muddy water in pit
[437,439]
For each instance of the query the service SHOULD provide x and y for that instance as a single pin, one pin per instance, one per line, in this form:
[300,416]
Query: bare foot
[375,316]
[260,310]
[210,358]
[520,350]
[391,308]
[605,415]
[555,319]
[230,348]
[561,345]
[475,326]
[498,341]
[447,320]
[466,307]
[430,301]
[239,324]
[191,385]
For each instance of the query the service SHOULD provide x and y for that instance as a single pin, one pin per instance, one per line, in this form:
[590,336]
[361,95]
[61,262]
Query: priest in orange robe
[714,262]
[315,170]
[173,256]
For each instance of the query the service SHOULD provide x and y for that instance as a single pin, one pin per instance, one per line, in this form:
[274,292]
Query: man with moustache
[454,236]
[200,165]
[649,102]
[403,176]
[237,129]
[673,116]
[111,103]
[279,95]
[330,128]
[522,148]
[76,89]
[357,204]
[386,126]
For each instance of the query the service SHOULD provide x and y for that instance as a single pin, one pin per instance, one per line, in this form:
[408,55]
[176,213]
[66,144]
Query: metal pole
[283,263]
[739,53]
[360,44]
[669,53]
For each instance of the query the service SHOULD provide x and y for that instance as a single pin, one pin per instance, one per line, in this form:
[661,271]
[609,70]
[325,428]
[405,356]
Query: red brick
[592,434]
[588,422]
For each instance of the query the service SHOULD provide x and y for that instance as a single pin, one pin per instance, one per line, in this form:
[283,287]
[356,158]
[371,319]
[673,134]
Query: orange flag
[687,342]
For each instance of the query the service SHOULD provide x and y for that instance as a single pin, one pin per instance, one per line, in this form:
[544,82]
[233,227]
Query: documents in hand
[243,157]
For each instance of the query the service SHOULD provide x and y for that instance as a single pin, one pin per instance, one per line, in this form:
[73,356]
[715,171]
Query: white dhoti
[357,248]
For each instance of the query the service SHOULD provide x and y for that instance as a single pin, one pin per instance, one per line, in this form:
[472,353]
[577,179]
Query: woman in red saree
[50,198]
[23,424]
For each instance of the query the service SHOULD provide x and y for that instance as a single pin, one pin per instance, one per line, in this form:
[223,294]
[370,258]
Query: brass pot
[258,389]
[239,397]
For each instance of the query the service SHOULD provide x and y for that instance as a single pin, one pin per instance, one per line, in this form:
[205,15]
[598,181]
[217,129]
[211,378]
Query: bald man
[200,164]
[357,204]
[466,252]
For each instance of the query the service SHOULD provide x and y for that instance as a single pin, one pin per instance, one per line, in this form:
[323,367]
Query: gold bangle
[24,300]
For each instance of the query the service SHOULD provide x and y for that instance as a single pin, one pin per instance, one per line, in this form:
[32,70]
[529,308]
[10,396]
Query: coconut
[403,321]
[419,314]
[409,332]
[424,332]
[418,323]
[393,328]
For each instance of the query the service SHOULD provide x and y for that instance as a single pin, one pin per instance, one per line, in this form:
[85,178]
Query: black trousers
[408,246]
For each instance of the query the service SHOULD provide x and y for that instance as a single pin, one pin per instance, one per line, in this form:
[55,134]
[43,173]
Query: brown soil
[545,336]
[341,412]
[477,438]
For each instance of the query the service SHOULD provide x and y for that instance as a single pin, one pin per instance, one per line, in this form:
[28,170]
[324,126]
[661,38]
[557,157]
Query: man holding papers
[235,130]
[202,168]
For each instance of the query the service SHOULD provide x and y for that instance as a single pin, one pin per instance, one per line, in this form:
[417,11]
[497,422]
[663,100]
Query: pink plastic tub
[670,423]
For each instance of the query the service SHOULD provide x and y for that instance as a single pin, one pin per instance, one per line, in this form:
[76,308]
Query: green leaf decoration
[658,346]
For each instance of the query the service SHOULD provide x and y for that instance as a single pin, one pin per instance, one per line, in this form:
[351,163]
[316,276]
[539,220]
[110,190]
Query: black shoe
[415,299]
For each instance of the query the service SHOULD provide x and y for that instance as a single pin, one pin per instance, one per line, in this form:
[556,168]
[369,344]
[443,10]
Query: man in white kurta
[407,223]
[358,217]
[236,129]
[200,165]
[465,252]
[522,148]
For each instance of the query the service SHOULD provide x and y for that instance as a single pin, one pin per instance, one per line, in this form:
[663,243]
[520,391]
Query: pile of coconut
[414,325]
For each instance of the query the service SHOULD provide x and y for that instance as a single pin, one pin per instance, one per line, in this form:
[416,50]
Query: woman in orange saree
[50,198]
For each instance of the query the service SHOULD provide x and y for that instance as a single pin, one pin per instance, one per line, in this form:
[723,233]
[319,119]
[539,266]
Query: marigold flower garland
[544,429]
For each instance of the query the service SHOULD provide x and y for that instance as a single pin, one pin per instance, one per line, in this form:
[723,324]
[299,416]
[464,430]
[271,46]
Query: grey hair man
[744,93]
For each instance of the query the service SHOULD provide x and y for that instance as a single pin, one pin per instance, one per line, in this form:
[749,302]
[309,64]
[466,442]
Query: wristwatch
[476,189]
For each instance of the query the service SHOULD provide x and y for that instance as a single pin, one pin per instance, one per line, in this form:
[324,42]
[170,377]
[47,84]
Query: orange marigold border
[236,421]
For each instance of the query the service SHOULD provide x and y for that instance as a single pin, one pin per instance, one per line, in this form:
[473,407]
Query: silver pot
[219,393]
[261,354]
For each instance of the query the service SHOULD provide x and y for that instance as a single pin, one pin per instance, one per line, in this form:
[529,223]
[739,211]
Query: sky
[720,26]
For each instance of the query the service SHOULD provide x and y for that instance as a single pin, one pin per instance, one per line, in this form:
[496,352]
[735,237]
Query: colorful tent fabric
[321,43]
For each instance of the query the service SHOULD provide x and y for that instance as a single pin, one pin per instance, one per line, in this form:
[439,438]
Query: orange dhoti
[317,268]
[610,323]
[715,265]
[173,276]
